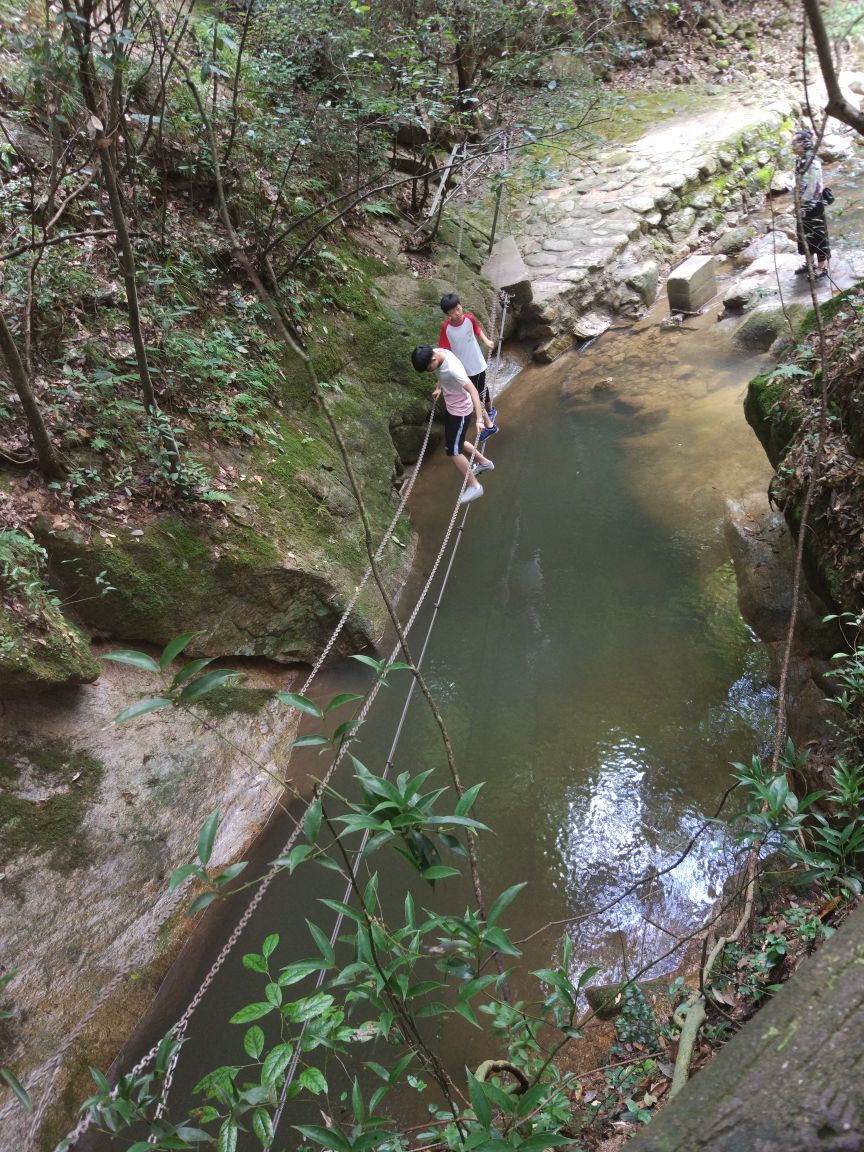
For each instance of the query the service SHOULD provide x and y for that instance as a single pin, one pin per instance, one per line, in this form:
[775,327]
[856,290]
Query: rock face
[775,1085]
[93,819]
[47,654]
[762,553]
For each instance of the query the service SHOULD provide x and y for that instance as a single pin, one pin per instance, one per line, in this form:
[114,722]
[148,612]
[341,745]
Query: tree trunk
[46,454]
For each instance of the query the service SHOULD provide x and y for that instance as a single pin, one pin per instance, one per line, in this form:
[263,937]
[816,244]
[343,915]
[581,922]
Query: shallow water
[589,661]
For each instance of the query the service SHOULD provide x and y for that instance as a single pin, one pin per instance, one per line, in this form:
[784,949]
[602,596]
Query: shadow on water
[589,661]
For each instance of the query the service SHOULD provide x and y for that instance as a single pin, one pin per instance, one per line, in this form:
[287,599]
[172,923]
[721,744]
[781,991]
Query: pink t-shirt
[452,379]
[462,339]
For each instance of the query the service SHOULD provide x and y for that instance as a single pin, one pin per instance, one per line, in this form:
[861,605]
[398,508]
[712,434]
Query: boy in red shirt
[460,335]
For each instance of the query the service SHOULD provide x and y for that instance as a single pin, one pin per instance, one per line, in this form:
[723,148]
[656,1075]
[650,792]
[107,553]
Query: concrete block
[692,284]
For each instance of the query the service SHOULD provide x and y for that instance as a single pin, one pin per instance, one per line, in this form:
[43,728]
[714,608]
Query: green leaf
[227,1141]
[310,741]
[231,872]
[342,698]
[183,873]
[587,975]
[467,799]
[313,1081]
[203,901]
[506,897]
[439,872]
[478,1100]
[207,683]
[253,1042]
[270,944]
[309,1007]
[150,704]
[191,669]
[301,702]
[100,1081]
[174,647]
[207,836]
[16,1086]
[376,664]
[296,856]
[136,659]
[312,821]
[276,1063]
[345,729]
[357,1102]
[8,977]
[262,1126]
[251,1012]
[294,973]
[254,962]
[324,945]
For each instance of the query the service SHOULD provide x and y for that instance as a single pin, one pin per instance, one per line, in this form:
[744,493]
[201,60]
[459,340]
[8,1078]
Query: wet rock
[643,280]
[767,245]
[746,293]
[551,349]
[762,554]
[765,323]
[836,146]
[680,224]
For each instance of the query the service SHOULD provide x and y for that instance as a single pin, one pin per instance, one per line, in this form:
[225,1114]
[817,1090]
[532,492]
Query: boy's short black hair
[421,357]
[449,302]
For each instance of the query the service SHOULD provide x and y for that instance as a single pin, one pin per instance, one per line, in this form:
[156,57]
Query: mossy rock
[45,791]
[39,647]
[244,595]
[772,415]
[761,327]
[607,999]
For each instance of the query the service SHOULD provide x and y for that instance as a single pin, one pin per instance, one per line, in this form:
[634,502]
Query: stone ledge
[790,1081]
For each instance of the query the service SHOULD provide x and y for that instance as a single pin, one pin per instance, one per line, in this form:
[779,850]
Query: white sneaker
[487,467]
[470,494]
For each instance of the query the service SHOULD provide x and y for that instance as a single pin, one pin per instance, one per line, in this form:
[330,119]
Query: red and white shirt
[462,340]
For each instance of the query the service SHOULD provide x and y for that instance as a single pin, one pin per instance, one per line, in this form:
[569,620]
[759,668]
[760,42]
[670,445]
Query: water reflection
[613,839]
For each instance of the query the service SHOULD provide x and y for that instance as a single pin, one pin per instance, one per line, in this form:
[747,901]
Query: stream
[589,661]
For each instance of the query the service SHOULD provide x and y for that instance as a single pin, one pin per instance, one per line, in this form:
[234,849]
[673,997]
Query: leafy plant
[186,686]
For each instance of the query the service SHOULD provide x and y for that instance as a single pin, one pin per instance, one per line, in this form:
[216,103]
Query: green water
[589,661]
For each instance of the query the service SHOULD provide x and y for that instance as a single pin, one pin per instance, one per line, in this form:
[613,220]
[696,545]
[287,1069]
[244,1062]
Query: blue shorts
[455,431]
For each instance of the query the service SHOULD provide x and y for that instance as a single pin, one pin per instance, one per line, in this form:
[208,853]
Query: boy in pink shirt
[461,401]
[462,335]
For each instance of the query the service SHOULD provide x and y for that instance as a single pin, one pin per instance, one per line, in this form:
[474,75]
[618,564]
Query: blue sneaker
[493,412]
[487,432]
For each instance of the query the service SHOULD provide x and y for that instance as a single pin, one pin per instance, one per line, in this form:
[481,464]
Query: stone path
[602,237]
